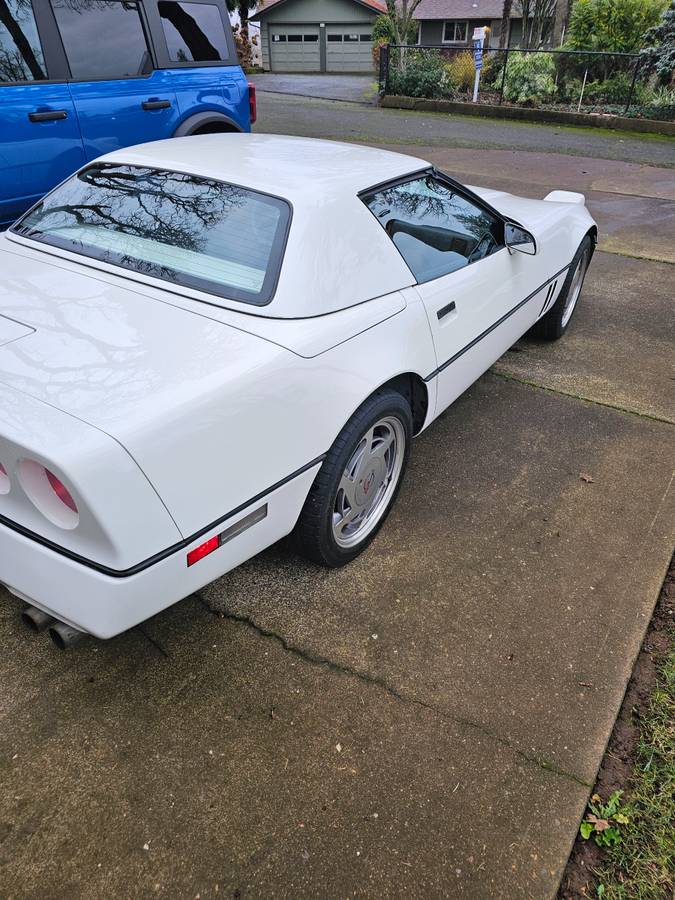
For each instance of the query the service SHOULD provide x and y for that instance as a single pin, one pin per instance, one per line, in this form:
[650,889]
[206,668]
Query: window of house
[334,38]
[295,38]
[365,37]
[455,32]
[123,53]
[20,49]
[194,32]
[310,38]
[350,37]
[435,229]
[278,38]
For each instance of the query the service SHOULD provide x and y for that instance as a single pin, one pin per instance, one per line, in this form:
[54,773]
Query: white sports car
[212,342]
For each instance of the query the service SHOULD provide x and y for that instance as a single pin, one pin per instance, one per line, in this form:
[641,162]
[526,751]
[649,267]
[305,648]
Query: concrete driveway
[355,88]
[429,720]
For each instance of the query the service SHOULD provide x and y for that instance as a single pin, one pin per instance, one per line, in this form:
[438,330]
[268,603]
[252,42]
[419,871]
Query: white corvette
[211,342]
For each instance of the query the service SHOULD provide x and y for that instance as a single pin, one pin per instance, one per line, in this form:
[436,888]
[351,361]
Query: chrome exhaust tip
[64,635]
[36,619]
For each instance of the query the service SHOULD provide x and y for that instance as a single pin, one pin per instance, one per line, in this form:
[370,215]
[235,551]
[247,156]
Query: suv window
[194,32]
[103,38]
[20,50]
[184,229]
[435,229]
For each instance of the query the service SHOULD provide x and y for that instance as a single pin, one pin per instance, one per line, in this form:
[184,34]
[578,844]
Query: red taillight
[253,109]
[203,550]
[60,490]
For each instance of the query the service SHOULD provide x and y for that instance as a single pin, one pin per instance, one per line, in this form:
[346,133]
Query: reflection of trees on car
[196,41]
[16,65]
[166,207]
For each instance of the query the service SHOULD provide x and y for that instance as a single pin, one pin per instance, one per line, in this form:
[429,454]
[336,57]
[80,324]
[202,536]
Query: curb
[618,123]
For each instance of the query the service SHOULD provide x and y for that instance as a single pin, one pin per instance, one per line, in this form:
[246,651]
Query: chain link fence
[567,80]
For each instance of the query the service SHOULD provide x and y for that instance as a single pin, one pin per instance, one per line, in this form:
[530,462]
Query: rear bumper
[103,605]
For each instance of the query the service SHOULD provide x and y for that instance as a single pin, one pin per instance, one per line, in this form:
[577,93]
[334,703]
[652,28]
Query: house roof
[459,9]
[377,6]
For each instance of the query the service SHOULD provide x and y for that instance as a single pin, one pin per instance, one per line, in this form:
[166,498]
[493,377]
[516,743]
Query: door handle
[445,310]
[156,104]
[48,115]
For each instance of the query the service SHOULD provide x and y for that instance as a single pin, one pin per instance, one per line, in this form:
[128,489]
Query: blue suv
[79,78]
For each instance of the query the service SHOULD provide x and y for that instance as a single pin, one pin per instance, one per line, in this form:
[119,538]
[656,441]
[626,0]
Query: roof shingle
[459,9]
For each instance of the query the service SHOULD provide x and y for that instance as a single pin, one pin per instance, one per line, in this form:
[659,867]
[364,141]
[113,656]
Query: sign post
[478,38]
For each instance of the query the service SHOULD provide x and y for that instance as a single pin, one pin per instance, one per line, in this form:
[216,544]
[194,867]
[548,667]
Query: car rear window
[197,232]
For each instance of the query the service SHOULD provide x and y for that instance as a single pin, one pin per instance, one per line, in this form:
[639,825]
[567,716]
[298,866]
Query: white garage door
[294,48]
[349,48]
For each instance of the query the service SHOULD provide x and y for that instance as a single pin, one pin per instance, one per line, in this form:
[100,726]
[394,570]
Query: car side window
[21,56]
[194,32]
[435,229]
[122,52]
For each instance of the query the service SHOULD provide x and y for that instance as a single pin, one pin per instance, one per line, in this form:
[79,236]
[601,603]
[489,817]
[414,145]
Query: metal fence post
[632,84]
[501,89]
[384,69]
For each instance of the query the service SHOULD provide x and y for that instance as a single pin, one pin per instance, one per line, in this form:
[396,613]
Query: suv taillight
[251,102]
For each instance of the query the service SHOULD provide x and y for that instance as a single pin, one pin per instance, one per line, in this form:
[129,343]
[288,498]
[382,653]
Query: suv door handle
[156,104]
[48,115]
[445,310]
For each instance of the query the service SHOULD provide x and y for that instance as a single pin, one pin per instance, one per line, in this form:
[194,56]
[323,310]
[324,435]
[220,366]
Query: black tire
[550,327]
[313,536]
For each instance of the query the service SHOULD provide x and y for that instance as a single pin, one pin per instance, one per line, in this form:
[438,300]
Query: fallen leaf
[587,478]
[338,747]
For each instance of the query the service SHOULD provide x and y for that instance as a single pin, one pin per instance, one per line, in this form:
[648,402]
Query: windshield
[204,234]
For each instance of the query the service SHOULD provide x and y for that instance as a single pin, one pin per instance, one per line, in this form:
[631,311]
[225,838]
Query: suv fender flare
[199,120]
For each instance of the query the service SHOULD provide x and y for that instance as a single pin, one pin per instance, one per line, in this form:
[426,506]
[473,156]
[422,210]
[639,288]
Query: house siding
[310,12]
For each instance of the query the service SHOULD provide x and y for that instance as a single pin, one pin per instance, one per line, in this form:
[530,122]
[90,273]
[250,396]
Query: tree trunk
[243,18]
[504,27]
[562,9]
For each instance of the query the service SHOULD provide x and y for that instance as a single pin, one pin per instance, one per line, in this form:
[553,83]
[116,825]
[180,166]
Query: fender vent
[550,294]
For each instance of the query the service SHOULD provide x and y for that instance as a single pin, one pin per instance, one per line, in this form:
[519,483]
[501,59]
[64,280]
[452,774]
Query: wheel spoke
[384,444]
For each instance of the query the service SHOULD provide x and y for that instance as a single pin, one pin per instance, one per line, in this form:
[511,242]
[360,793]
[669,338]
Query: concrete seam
[550,390]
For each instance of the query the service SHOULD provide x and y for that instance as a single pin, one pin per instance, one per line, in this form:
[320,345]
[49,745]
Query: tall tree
[505,23]
[537,16]
[562,14]
[401,14]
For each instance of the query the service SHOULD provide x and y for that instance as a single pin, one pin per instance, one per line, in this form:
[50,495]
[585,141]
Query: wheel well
[412,387]
[592,233]
[214,128]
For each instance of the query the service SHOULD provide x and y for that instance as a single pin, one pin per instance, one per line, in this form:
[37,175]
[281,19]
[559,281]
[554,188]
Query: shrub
[462,71]
[614,26]
[383,31]
[616,90]
[659,52]
[530,77]
[420,73]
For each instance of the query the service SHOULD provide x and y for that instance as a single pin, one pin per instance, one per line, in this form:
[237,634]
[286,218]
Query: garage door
[294,48]
[349,48]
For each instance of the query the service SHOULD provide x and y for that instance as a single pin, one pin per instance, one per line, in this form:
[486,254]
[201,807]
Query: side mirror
[516,238]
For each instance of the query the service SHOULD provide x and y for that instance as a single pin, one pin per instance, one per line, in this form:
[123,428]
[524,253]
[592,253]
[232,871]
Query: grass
[642,865]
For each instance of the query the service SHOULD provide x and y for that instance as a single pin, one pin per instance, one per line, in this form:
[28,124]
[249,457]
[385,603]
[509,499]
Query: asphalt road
[283,113]
[428,721]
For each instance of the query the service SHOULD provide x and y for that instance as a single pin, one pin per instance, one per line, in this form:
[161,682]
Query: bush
[462,71]
[614,26]
[530,78]
[616,90]
[420,73]
[659,52]
[383,31]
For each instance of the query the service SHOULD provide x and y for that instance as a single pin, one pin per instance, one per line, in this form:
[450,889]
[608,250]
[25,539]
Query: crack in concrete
[550,390]
[155,643]
[376,681]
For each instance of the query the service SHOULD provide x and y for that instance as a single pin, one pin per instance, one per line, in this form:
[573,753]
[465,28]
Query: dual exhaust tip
[62,635]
